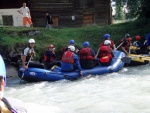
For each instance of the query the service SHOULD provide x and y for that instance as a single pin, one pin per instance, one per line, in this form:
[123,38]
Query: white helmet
[106,42]
[31,40]
[72,48]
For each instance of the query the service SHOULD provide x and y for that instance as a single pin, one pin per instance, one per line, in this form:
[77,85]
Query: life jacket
[126,43]
[111,45]
[137,44]
[68,57]
[28,54]
[85,54]
[105,54]
[48,58]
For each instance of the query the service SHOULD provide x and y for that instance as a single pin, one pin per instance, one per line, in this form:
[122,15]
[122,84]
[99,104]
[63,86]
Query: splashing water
[127,91]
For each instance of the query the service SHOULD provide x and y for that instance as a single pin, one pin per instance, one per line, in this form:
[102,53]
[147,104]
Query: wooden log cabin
[66,13]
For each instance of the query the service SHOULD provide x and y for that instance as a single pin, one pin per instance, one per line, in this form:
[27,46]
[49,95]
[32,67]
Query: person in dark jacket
[49,57]
[87,54]
[137,43]
[49,21]
[8,105]
[137,46]
[70,61]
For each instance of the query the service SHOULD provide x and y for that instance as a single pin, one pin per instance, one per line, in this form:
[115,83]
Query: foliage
[120,15]
[139,8]
[13,36]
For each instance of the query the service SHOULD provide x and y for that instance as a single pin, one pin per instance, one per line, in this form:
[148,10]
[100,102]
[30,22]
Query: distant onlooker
[49,21]
[26,15]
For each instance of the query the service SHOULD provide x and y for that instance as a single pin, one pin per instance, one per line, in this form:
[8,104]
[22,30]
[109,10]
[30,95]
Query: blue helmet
[86,44]
[106,36]
[2,69]
[71,42]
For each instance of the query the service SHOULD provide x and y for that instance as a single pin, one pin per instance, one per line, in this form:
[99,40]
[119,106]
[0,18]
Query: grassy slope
[14,36]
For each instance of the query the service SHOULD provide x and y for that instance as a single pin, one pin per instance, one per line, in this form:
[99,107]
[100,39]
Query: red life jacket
[126,43]
[85,54]
[48,58]
[105,54]
[111,45]
[68,57]
[51,59]
[104,59]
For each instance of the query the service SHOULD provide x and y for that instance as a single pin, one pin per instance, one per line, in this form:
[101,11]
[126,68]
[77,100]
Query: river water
[127,91]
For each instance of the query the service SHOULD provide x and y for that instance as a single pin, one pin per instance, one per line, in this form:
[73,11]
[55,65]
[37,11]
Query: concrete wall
[17,17]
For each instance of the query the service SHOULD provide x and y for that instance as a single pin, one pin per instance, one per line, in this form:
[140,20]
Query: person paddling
[125,47]
[49,57]
[87,54]
[70,61]
[28,53]
[105,54]
[107,37]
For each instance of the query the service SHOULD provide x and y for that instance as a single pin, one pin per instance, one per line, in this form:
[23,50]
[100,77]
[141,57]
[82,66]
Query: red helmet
[130,39]
[51,46]
[138,37]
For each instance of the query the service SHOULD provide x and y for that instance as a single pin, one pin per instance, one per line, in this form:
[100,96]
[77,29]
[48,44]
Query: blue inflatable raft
[37,74]
[2,68]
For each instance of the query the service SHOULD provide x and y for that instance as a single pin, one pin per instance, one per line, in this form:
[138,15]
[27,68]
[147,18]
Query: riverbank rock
[11,71]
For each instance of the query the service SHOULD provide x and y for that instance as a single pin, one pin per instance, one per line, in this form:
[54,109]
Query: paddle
[24,71]
[126,59]
[119,46]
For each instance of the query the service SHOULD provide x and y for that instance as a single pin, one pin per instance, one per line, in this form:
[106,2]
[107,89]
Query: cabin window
[7,20]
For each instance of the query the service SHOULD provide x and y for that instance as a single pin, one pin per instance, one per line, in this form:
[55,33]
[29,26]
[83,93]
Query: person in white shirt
[26,15]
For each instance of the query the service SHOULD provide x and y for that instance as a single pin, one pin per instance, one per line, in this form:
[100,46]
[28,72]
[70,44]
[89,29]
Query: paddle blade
[126,59]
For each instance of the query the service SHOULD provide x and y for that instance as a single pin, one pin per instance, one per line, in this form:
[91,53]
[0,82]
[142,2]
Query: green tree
[119,12]
[139,8]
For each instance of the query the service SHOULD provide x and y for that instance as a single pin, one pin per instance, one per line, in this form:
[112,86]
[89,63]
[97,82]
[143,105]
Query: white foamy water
[127,91]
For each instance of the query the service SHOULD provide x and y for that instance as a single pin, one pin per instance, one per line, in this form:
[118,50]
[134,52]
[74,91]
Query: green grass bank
[11,37]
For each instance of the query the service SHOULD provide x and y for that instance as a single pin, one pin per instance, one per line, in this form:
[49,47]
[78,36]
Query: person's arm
[24,62]
[92,52]
[53,50]
[24,56]
[78,63]
[114,47]
[97,54]
[112,52]
[123,49]
[19,11]
[29,12]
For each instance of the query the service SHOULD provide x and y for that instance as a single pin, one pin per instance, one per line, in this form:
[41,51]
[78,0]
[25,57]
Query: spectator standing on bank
[49,21]
[26,15]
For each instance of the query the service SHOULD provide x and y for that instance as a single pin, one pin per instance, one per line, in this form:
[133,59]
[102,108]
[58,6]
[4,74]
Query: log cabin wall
[65,13]
[70,13]
[7,4]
